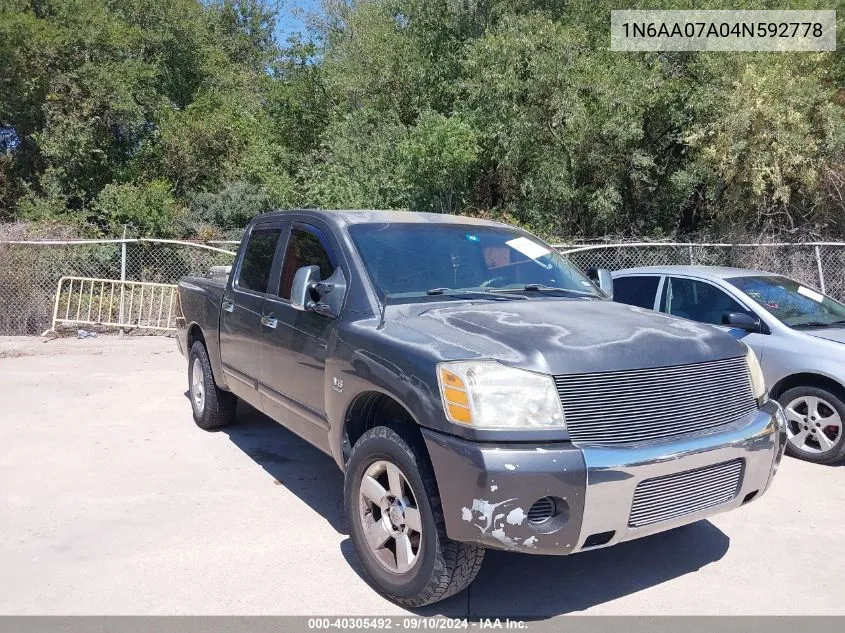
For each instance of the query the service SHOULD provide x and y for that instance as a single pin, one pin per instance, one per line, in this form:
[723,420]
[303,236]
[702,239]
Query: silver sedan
[796,332]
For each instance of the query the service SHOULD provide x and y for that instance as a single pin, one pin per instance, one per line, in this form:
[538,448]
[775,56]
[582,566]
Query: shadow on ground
[515,585]
[306,471]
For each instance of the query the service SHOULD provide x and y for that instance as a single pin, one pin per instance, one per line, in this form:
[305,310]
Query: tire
[818,438]
[213,408]
[441,567]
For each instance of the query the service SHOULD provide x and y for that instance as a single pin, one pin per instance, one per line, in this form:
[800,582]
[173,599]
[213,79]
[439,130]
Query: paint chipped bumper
[486,490]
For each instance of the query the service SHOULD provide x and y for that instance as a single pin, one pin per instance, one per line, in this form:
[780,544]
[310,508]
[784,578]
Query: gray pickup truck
[476,389]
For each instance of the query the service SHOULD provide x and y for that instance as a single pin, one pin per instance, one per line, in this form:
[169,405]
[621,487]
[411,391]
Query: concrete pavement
[113,502]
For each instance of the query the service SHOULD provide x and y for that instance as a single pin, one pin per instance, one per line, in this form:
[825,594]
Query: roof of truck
[376,216]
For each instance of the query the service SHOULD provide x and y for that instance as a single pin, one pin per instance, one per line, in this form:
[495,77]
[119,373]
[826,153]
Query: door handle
[228,305]
[269,320]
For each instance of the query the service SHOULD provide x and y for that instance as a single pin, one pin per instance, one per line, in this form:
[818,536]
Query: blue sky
[288,21]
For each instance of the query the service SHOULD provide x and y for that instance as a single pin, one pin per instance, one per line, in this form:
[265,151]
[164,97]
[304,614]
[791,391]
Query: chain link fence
[30,270]
[817,264]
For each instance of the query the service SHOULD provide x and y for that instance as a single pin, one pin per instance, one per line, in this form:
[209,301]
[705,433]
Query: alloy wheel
[812,424]
[198,385]
[390,517]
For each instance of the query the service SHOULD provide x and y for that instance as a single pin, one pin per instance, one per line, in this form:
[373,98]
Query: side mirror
[603,279]
[740,320]
[304,281]
[309,293]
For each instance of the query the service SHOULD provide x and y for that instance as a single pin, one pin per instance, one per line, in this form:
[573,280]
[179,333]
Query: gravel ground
[113,502]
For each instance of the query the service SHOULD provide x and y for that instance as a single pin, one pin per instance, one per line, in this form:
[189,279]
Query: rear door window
[637,290]
[258,259]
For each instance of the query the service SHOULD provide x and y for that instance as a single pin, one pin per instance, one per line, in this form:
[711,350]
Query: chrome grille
[648,404]
[672,496]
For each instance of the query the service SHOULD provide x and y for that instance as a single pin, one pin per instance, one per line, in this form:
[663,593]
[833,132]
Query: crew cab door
[240,312]
[295,344]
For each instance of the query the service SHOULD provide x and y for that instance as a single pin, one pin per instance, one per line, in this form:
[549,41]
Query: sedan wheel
[390,517]
[813,424]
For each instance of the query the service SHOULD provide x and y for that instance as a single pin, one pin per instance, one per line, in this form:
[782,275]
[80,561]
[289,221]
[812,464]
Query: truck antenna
[383,308]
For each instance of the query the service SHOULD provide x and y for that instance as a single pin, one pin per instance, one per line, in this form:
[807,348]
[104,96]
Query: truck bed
[199,300]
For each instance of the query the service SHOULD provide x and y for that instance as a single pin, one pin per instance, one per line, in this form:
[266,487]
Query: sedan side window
[304,249]
[636,290]
[258,260]
[698,301]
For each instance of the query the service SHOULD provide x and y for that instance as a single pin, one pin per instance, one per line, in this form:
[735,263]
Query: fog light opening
[542,510]
[597,540]
[548,514]
[749,496]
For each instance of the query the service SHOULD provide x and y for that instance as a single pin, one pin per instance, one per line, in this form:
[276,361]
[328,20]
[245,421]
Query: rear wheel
[396,523]
[814,424]
[213,408]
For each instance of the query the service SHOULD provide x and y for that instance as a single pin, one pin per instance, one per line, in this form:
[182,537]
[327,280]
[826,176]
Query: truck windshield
[792,303]
[410,259]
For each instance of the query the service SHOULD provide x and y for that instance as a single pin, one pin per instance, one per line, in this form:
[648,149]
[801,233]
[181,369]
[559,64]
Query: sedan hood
[567,336]
[829,334]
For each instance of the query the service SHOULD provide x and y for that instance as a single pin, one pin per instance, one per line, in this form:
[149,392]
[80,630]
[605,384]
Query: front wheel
[213,408]
[814,424]
[396,523]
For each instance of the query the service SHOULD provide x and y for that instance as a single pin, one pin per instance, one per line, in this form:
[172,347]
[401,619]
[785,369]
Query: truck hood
[566,336]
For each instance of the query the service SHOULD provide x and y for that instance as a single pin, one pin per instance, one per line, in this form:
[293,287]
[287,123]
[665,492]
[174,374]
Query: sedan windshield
[793,303]
[416,260]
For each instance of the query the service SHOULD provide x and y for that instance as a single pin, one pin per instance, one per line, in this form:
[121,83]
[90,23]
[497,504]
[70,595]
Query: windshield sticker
[811,294]
[528,248]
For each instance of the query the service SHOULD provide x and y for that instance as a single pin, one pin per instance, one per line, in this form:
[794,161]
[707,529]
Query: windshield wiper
[816,324]
[454,292]
[543,288]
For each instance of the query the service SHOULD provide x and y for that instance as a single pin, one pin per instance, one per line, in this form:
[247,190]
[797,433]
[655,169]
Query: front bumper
[486,490]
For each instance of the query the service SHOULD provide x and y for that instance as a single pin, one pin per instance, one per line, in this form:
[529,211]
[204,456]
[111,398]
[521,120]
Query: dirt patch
[13,353]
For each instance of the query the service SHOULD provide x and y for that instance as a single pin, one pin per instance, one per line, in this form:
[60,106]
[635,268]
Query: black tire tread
[220,406]
[456,564]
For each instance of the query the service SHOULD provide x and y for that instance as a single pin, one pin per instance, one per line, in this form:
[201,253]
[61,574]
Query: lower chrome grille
[655,404]
[672,496]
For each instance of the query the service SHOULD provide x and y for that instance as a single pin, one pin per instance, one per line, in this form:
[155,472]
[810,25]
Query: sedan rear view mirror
[740,320]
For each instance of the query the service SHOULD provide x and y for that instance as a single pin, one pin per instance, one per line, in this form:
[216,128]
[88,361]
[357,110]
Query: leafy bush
[146,209]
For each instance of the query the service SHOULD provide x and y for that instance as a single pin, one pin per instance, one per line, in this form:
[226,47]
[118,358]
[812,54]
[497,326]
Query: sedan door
[295,344]
[240,315]
[703,301]
[637,290]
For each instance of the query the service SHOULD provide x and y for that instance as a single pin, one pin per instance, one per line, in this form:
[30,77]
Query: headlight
[758,384]
[489,395]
